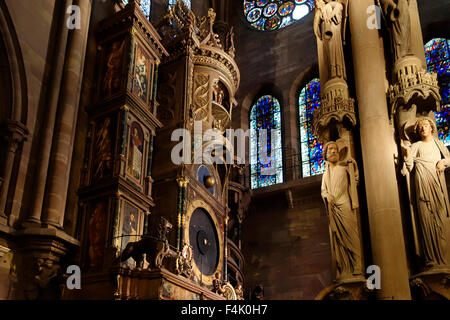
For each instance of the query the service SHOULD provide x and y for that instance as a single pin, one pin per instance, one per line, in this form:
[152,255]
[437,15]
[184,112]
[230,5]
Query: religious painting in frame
[96,226]
[136,151]
[103,149]
[131,227]
[142,74]
[111,81]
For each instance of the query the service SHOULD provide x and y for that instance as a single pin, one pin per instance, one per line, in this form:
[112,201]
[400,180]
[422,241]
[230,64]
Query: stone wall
[287,250]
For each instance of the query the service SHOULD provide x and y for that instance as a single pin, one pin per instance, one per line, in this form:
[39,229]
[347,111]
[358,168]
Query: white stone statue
[341,200]
[397,17]
[329,26]
[427,160]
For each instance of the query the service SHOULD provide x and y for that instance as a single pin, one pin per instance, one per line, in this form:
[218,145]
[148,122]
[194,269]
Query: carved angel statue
[341,200]
[239,292]
[184,261]
[329,26]
[427,159]
[396,15]
[218,284]
[206,26]
[231,50]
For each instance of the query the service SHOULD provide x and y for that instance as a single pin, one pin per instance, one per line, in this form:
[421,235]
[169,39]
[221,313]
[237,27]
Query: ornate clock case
[196,90]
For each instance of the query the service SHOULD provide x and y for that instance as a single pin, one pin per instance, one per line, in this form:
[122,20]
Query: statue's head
[331,152]
[425,127]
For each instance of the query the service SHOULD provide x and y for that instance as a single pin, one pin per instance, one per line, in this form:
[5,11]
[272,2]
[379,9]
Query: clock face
[204,241]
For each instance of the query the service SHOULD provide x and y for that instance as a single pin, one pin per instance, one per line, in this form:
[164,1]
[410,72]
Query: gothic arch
[17,97]
[14,116]
[270,99]
[299,83]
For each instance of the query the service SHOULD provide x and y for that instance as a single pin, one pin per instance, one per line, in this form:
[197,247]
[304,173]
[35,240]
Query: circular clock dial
[204,241]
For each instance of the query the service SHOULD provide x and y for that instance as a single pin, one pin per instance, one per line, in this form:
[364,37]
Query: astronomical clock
[152,227]
[196,93]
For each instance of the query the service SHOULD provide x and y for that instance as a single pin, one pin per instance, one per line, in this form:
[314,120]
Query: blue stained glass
[186,2]
[259,24]
[270,10]
[248,5]
[437,52]
[266,162]
[268,15]
[146,6]
[254,15]
[311,149]
[262,3]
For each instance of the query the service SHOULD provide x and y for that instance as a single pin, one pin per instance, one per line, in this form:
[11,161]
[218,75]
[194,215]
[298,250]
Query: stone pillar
[15,133]
[45,145]
[60,162]
[417,45]
[378,148]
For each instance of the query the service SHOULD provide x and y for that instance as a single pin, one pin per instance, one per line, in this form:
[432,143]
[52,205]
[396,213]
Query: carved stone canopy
[336,107]
[218,59]
[413,85]
[183,33]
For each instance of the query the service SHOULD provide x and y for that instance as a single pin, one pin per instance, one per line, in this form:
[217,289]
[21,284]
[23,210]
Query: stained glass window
[266,158]
[437,52]
[269,15]
[311,149]
[146,6]
[186,2]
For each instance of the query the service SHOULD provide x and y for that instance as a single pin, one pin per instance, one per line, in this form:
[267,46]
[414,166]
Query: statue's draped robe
[400,23]
[331,34]
[431,197]
[345,242]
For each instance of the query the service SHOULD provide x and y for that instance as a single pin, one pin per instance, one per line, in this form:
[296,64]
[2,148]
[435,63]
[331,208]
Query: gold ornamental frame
[208,280]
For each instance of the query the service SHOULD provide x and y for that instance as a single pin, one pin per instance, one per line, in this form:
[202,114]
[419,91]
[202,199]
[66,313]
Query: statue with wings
[329,26]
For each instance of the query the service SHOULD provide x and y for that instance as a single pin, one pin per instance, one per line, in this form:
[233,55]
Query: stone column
[417,45]
[378,148]
[15,133]
[45,145]
[60,162]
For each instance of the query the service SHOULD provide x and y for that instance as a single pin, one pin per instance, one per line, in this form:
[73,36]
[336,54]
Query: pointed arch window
[437,52]
[266,158]
[311,149]
[146,6]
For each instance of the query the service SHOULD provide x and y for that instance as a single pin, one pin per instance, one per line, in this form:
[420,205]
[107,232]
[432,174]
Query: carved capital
[14,132]
[354,290]
[183,182]
[431,284]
